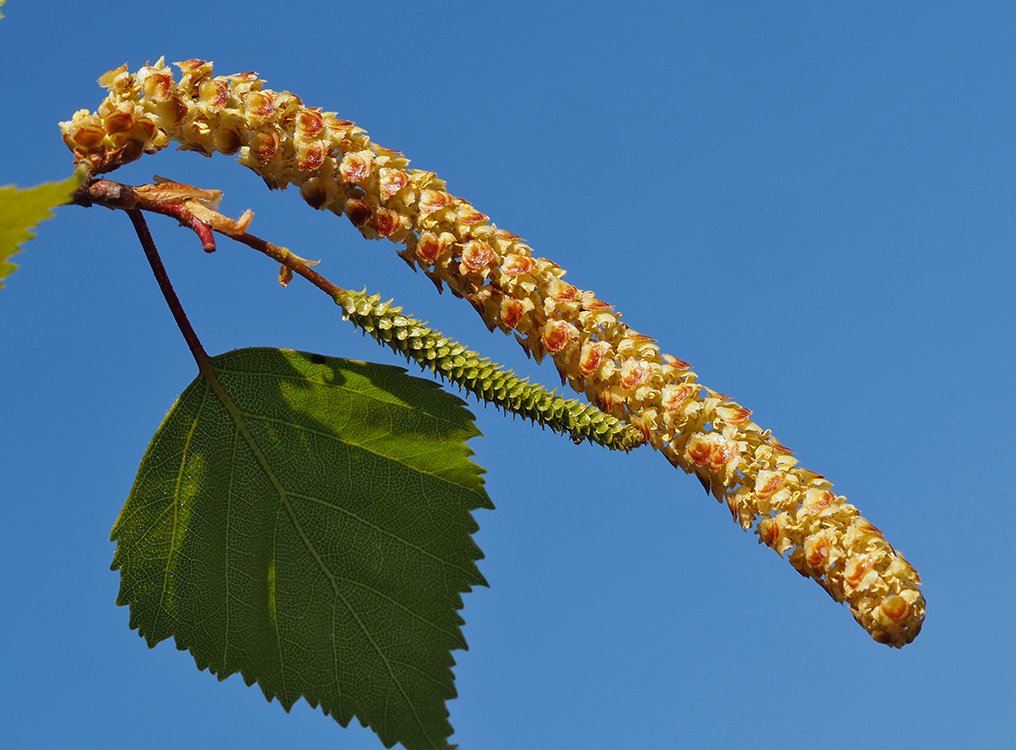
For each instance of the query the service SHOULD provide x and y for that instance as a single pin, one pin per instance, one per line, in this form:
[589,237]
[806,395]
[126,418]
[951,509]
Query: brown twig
[124,197]
[195,209]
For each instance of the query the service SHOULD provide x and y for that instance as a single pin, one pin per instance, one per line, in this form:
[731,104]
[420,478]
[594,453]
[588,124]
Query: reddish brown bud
[110,78]
[157,86]
[129,151]
[722,454]
[640,338]
[677,364]
[392,181]
[259,107]
[732,506]
[592,356]
[358,212]
[816,550]
[214,95]
[144,130]
[428,248]
[228,140]
[311,158]
[517,265]
[433,200]
[866,526]
[769,531]
[309,123]
[88,137]
[634,373]
[264,144]
[472,217]
[171,111]
[356,167]
[512,311]
[194,71]
[556,335]
[194,66]
[676,396]
[504,234]
[856,569]
[477,256]
[699,451]
[385,222]
[561,290]
[817,501]
[335,123]
[314,193]
[738,417]
[119,121]
[770,485]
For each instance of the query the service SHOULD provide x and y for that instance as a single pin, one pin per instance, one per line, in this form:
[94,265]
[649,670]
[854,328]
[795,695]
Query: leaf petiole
[166,287]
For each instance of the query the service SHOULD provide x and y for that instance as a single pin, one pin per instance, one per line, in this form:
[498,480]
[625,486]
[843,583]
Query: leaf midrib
[209,374]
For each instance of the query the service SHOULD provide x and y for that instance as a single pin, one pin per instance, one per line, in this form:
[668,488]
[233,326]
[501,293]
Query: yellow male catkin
[338,168]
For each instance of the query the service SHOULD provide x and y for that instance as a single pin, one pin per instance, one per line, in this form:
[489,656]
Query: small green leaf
[307,522]
[22,208]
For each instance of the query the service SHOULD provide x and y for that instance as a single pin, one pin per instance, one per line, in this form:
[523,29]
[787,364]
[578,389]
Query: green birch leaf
[307,522]
[21,209]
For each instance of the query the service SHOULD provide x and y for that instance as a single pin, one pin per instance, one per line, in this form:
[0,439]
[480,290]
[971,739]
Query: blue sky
[811,202]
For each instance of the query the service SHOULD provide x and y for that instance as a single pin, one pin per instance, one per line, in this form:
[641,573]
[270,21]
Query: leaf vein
[390,534]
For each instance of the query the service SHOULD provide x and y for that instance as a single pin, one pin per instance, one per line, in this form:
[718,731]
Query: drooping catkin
[338,168]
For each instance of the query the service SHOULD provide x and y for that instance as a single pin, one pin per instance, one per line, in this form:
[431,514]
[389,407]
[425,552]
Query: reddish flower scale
[338,168]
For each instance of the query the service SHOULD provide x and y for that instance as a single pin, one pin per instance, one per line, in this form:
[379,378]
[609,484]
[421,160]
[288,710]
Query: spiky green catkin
[483,378]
